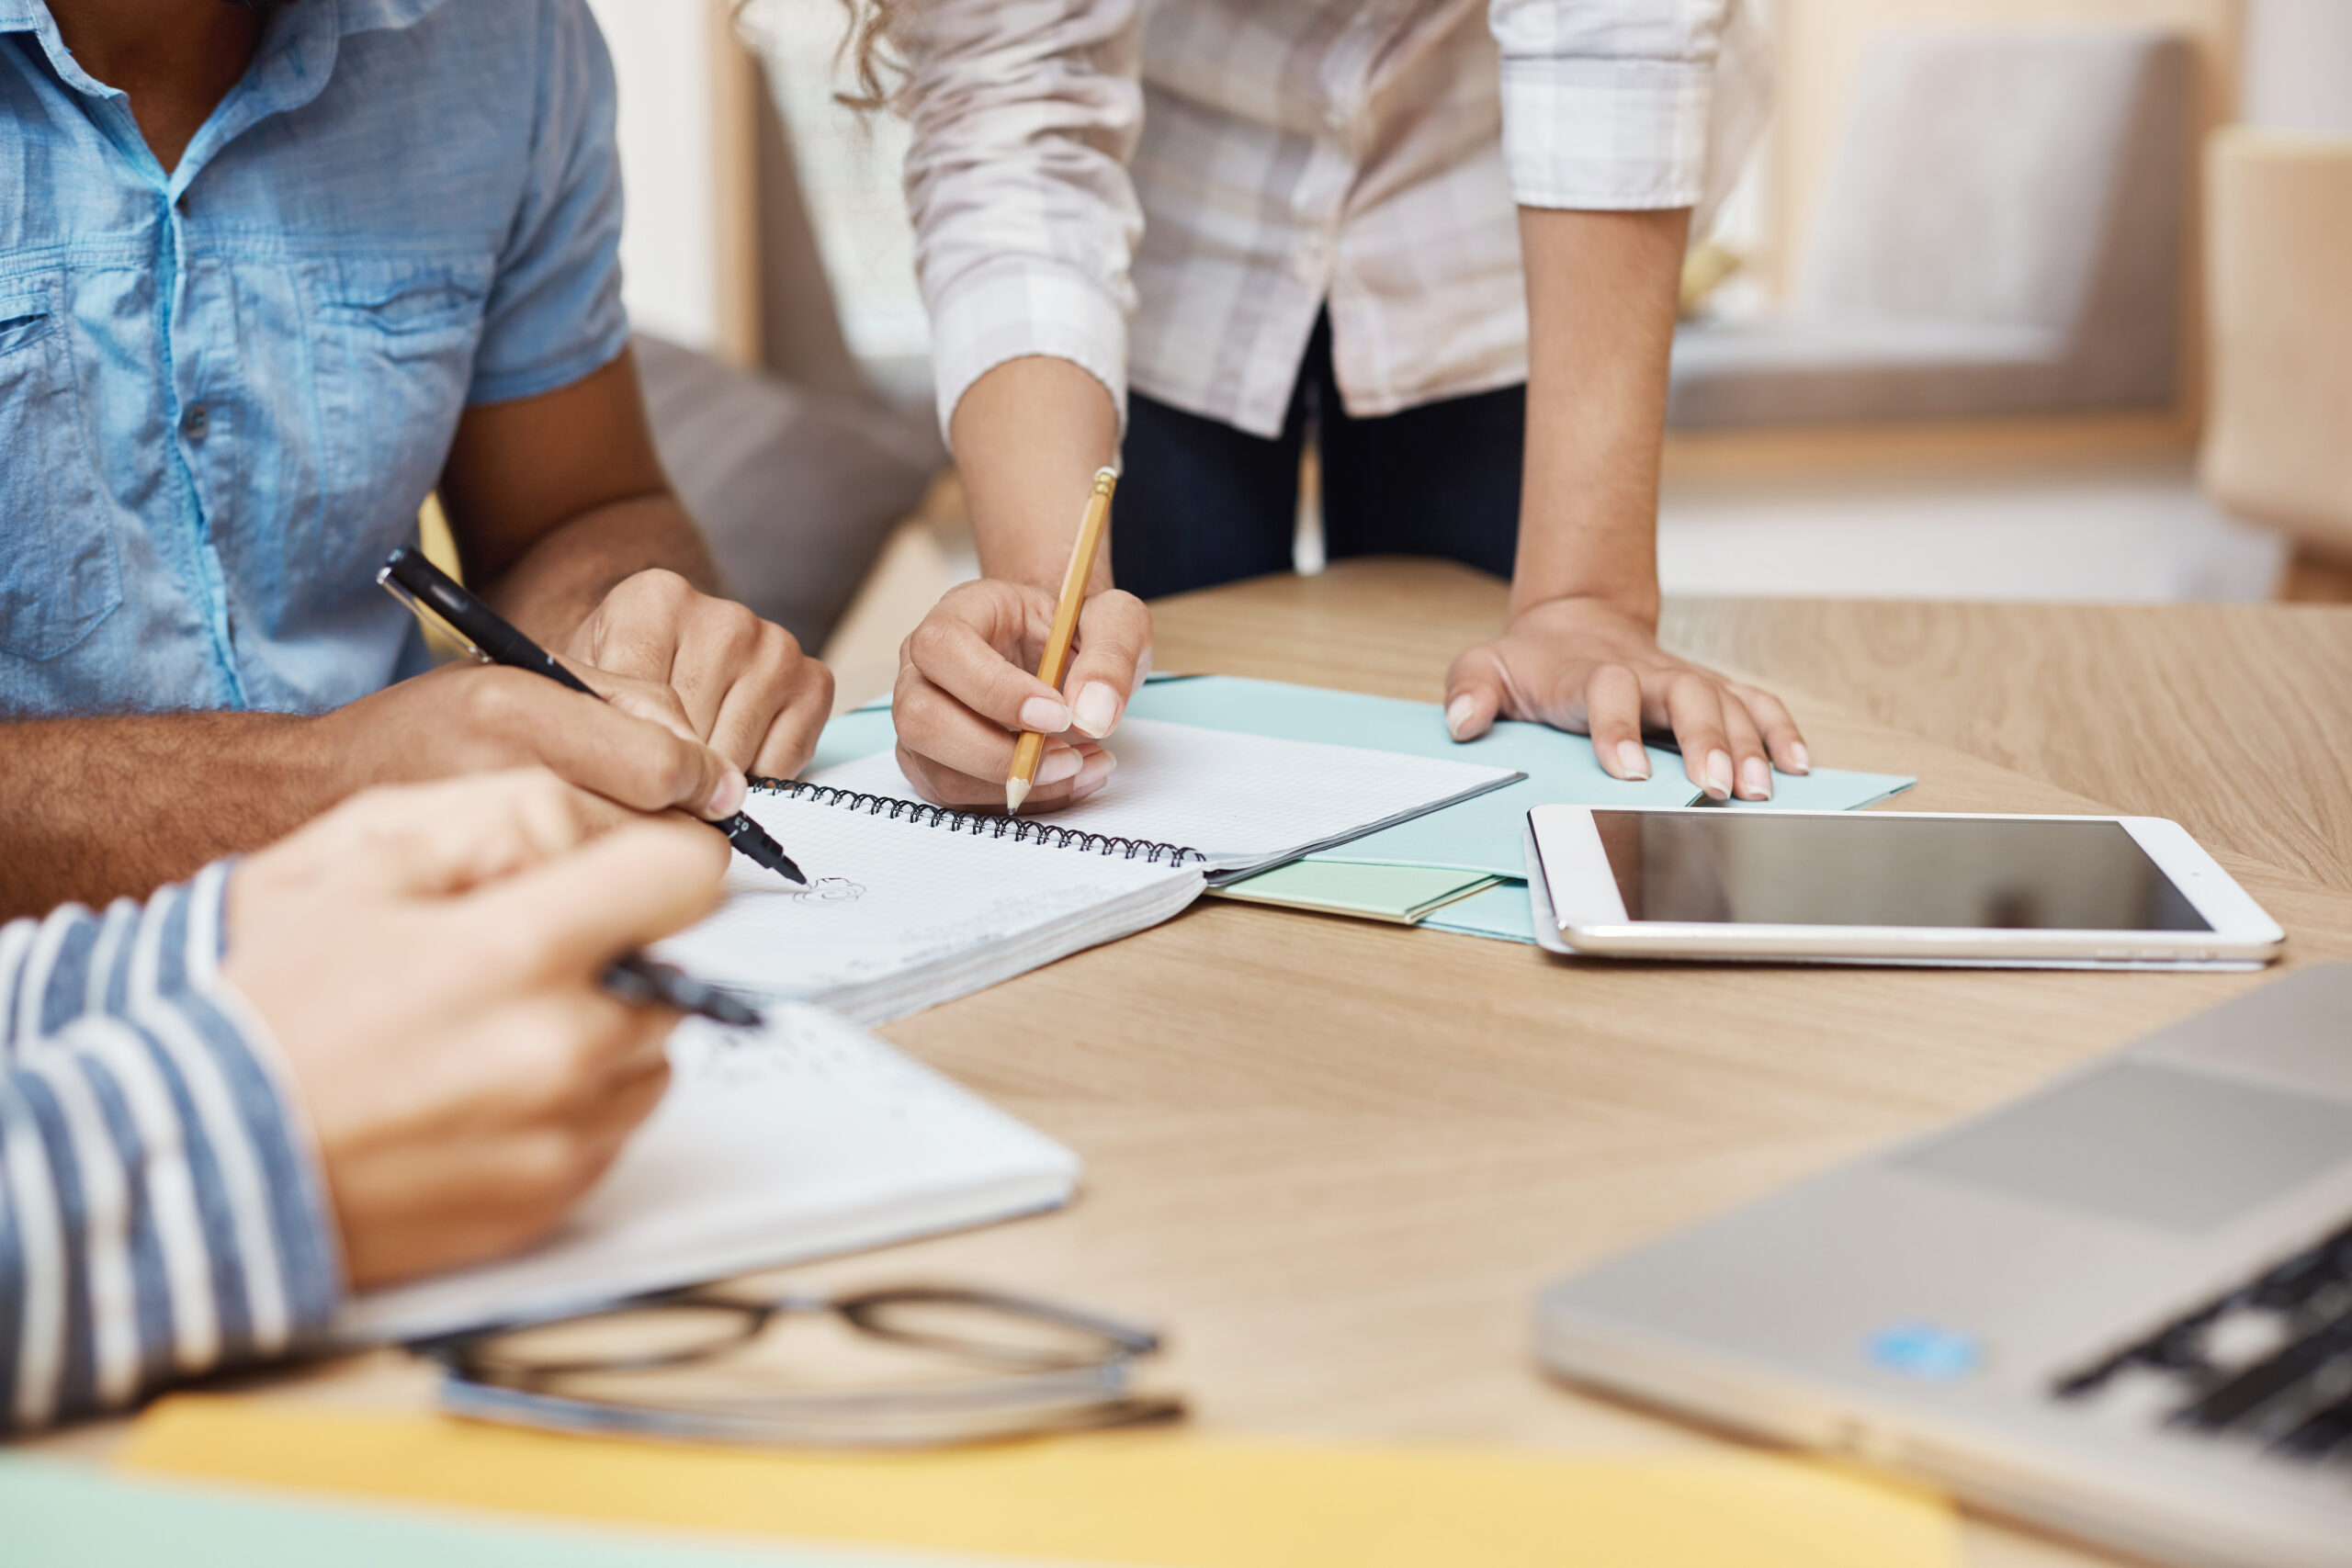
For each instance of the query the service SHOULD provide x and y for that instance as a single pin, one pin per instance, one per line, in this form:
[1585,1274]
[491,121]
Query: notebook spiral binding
[983,824]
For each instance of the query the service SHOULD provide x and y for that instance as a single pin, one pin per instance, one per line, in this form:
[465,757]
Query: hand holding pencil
[1021,676]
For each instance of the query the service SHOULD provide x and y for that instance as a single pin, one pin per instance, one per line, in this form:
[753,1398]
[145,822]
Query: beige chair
[2279,300]
[2000,233]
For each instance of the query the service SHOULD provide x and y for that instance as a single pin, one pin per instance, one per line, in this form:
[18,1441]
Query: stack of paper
[1240,800]
[804,1139]
[1479,836]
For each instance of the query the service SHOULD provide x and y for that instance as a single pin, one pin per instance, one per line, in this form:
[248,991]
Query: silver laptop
[2120,1306]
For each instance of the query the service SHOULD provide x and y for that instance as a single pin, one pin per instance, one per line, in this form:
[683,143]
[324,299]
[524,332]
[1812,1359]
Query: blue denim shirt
[226,390]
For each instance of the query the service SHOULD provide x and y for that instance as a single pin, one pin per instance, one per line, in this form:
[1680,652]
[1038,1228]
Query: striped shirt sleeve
[160,1209]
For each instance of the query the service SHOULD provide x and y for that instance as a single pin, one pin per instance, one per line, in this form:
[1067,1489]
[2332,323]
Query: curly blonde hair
[875,42]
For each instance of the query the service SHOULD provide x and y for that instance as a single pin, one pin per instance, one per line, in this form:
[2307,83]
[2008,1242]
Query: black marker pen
[423,587]
[641,982]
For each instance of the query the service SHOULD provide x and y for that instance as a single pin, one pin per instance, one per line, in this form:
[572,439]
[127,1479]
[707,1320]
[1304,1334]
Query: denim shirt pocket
[60,572]
[395,355]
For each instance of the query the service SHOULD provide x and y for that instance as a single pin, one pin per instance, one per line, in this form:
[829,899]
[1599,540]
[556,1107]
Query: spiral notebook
[910,904]
[804,1138]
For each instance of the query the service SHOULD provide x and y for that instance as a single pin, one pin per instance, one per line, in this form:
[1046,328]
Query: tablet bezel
[1579,911]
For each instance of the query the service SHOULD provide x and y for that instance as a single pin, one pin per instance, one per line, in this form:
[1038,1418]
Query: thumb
[634,886]
[1474,693]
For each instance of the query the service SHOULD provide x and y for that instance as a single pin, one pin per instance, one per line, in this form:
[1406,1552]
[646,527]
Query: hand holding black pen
[429,591]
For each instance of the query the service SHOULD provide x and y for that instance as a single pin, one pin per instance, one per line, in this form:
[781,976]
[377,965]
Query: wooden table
[1336,1159]
[2235,719]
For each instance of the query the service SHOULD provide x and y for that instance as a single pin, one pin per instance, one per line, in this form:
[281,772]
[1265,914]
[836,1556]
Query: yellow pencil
[1056,664]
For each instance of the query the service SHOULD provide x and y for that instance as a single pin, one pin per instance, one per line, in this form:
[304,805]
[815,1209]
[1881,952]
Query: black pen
[423,587]
[641,982]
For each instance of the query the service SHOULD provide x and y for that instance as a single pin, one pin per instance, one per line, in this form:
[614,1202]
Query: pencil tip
[1015,792]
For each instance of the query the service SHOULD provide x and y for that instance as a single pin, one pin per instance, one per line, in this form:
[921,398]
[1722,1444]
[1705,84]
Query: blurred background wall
[2298,72]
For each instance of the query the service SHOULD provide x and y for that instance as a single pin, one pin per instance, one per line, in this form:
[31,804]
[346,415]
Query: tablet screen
[1754,868]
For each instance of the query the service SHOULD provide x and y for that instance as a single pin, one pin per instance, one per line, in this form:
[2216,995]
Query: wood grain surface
[1336,1159]
[2235,719]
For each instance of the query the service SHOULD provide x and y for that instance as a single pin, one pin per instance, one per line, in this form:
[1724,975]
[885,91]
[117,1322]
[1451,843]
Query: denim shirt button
[195,422]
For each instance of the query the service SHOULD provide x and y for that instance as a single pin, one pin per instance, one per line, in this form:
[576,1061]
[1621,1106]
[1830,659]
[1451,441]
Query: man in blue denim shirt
[271,271]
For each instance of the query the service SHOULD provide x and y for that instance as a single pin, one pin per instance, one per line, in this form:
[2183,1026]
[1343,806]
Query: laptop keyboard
[2270,1361]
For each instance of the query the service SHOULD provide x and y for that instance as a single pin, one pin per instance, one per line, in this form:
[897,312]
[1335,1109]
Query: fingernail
[1719,775]
[1090,777]
[1044,715]
[1800,759]
[1633,760]
[1457,713]
[1756,778]
[1096,710]
[728,798]
[1061,764]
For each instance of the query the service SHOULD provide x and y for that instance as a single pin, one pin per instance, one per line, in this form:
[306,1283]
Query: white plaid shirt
[1218,171]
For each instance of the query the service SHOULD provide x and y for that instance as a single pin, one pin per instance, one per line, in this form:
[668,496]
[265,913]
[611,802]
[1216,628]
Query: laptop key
[2325,1432]
[2288,1285]
[2272,1357]
[2090,1381]
[2177,1349]
[2239,1397]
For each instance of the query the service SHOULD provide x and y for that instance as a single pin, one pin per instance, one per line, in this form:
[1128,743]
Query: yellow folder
[1163,1500]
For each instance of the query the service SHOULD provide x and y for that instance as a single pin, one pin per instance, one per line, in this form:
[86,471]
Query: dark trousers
[1201,502]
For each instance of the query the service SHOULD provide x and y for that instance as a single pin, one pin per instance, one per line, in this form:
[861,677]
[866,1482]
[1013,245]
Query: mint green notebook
[1400,894]
[59,1515]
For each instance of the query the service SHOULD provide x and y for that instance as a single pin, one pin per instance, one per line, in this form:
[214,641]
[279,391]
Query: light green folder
[1502,912]
[1483,835]
[1403,895]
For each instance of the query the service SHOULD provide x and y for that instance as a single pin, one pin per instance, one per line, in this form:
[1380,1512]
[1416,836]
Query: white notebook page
[1239,799]
[807,1137]
[887,896]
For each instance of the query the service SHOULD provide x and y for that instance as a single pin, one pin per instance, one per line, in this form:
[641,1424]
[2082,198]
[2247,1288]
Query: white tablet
[1887,888]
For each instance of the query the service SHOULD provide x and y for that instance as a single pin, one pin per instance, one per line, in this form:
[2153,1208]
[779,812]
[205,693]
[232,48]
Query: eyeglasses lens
[650,1335]
[1001,1332]
[911,1367]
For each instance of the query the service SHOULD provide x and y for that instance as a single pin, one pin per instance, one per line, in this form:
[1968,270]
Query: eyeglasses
[922,1367]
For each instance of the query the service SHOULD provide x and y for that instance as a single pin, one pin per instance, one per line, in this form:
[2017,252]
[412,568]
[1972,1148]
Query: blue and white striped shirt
[160,1209]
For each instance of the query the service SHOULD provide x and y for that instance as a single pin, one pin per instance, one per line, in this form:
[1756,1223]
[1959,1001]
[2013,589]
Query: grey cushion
[796,490]
[2001,231]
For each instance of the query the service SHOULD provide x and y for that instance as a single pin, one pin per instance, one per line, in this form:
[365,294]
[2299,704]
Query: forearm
[1600,294]
[102,809]
[558,583]
[1029,436]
